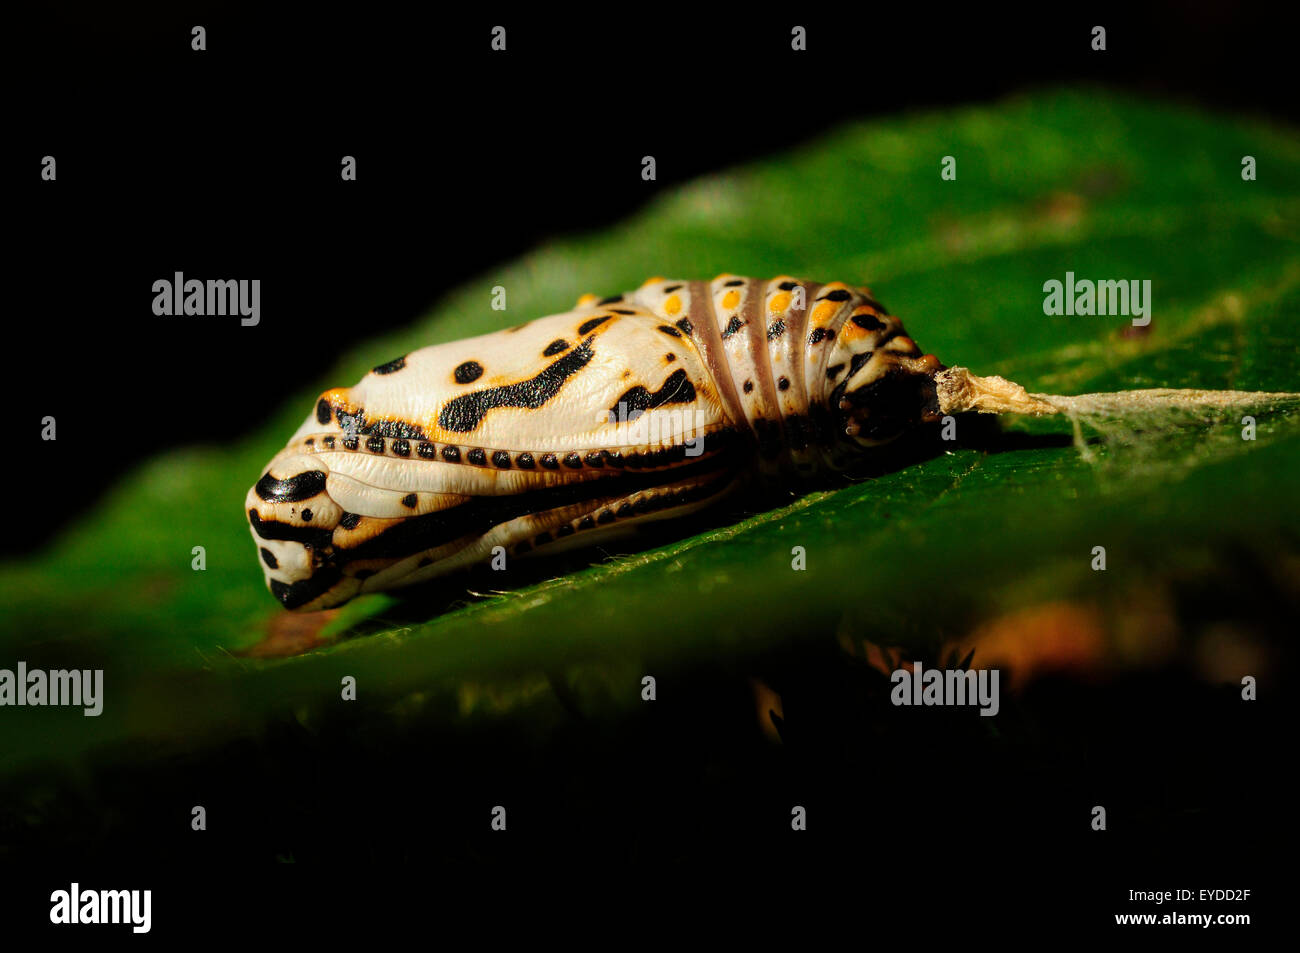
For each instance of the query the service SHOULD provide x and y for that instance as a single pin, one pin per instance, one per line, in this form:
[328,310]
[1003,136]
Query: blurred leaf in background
[986,546]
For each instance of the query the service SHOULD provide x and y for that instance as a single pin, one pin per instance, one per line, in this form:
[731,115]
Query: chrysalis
[576,428]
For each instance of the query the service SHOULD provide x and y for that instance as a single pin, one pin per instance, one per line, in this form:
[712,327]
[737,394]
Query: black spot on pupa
[306,515]
[477,457]
[783,384]
[564,530]
[329,443]
[451,454]
[550,462]
[734,325]
[396,364]
[776,330]
[350,443]
[788,285]
[375,444]
[310,441]
[323,411]
[591,324]
[524,547]
[733,283]
[586,523]
[555,347]
[818,335]
[424,561]
[749,387]
[670,357]
[468,372]
[350,520]
[612,299]
[685,326]
[671,288]
[501,459]
[410,500]
[542,539]
[573,461]
[401,447]
[606,516]
[268,557]
[525,461]
[595,459]
[670,330]
[839,294]
[625,509]
[868,322]
[622,311]
[833,371]
[426,450]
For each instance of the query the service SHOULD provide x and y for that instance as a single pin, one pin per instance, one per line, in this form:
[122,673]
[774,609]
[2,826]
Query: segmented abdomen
[778,351]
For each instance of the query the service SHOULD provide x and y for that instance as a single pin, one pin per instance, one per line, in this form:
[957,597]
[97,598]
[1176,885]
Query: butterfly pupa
[573,429]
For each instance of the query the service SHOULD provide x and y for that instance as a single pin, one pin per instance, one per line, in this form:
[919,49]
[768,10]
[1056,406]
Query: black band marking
[300,486]
[677,389]
[465,413]
[274,529]
[300,593]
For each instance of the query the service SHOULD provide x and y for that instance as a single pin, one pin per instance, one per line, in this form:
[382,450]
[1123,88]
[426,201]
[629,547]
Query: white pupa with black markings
[573,429]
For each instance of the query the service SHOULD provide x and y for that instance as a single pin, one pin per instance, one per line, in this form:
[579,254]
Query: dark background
[225,164]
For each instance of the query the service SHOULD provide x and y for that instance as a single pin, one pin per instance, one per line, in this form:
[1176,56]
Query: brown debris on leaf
[292,633]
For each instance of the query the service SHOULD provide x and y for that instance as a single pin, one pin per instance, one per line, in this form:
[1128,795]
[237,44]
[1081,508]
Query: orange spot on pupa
[731,299]
[651,281]
[779,302]
[587,300]
[824,312]
[672,304]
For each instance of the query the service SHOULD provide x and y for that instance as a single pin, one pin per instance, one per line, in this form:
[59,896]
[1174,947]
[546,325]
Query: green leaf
[928,555]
